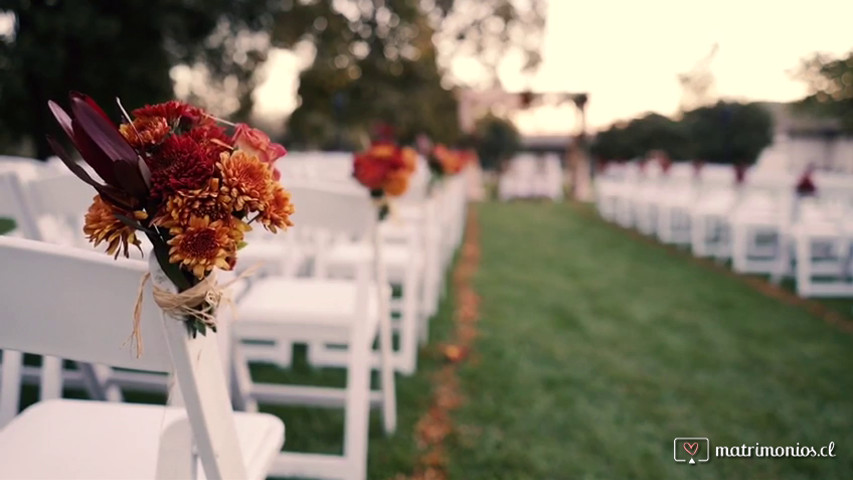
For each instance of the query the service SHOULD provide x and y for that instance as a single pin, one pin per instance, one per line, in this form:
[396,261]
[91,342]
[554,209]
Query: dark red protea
[103,147]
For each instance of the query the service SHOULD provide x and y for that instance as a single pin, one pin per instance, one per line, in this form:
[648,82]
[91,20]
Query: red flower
[212,136]
[181,163]
[384,166]
[369,172]
[174,111]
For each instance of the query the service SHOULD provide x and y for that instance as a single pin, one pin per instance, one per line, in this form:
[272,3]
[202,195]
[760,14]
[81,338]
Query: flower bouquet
[173,172]
[443,162]
[384,169]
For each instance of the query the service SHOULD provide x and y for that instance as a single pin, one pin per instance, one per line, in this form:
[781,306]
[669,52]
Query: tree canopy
[830,82]
[634,139]
[377,61]
[496,139]
[725,132]
[728,132]
[123,49]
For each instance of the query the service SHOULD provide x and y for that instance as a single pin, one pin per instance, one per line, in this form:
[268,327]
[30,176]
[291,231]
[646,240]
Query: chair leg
[357,408]
[10,395]
[804,266]
[739,248]
[409,325]
[241,379]
[50,385]
[386,368]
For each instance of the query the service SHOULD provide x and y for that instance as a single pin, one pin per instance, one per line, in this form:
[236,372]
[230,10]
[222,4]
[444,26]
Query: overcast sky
[627,54]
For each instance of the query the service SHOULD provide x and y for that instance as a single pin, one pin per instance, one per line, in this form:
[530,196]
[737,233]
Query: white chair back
[64,200]
[324,207]
[69,303]
[14,207]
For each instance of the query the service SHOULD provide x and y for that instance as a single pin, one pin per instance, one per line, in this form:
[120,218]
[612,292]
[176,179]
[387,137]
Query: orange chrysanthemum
[145,131]
[207,203]
[410,158]
[278,211]
[102,225]
[446,161]
[397,183]
[246,181]
[203,245]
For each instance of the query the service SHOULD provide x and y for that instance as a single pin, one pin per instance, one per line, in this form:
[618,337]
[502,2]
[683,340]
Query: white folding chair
[69,303]
[58,202]
[333,311]
[405,258]
[14,204]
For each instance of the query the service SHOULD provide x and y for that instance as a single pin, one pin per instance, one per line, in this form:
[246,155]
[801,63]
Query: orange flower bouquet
[444,162]
[173,172]
[384,169]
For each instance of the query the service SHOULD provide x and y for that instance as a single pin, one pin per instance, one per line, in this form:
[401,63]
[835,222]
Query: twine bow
[199,301]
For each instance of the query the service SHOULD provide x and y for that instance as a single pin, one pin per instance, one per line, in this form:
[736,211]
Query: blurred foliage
[729,132]
[376,62]
[634,139]
[722,133]
[496,139]
[830,82]
[123,49]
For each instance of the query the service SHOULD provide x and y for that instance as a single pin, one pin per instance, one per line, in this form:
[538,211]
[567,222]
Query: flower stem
[173,271]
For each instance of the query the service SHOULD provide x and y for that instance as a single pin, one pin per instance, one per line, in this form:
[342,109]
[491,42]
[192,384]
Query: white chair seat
[397,257]
[305,307]
[79,439]
[261,252]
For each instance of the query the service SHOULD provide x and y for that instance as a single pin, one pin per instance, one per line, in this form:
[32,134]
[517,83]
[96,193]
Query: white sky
[627,54]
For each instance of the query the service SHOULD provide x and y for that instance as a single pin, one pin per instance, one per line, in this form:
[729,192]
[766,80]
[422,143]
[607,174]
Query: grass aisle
[596,350]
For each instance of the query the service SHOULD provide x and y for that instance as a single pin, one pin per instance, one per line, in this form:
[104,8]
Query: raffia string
[199,301]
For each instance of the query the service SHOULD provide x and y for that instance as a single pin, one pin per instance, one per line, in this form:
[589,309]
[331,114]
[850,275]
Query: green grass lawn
[597,350]
[6,225]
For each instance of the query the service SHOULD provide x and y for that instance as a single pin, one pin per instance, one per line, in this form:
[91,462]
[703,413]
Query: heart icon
[691,448]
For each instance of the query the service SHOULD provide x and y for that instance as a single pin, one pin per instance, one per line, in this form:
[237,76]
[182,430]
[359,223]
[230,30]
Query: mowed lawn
[597,349]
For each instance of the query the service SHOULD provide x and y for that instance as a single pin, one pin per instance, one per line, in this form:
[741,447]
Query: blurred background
[508,73]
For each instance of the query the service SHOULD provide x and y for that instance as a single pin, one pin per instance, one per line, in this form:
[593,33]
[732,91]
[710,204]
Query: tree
[726,132]
[830,81]
[642,135]
[730,133]
[123,49]
[496,139]
[377,61]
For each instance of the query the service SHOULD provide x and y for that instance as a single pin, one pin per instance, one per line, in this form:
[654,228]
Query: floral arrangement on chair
[385,169]
[444,162]
[173,172]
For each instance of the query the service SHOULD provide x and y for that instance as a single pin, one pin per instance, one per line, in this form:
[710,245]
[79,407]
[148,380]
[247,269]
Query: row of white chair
[763,226]
[311,294]
[528,176]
